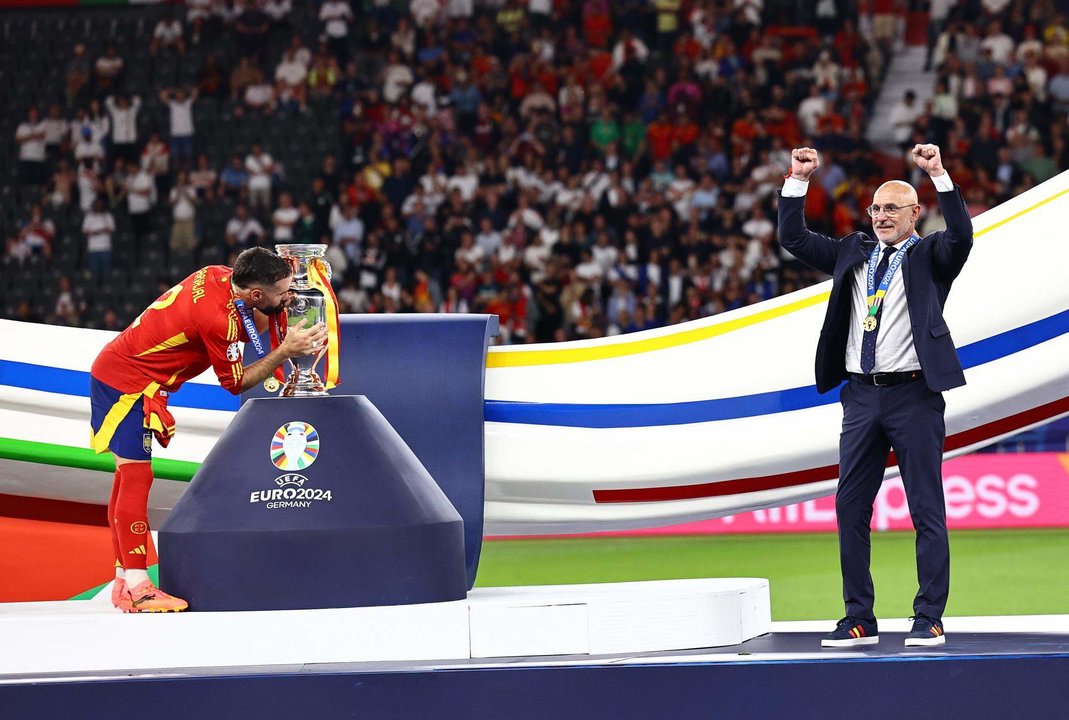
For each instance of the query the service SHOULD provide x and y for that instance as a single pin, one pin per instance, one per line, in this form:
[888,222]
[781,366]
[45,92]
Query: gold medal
[271,384]
[870,323]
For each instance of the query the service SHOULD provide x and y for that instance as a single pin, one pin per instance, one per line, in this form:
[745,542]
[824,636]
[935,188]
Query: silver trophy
[308,304]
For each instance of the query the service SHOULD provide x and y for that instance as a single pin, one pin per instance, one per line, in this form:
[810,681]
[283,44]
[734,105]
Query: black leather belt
[885,379]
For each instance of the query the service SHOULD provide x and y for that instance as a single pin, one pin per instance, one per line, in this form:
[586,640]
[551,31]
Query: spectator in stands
[903,115]
[123,111]
[1058,87]
[203,16]
[285,219]
[60,190]
[234,180]
[78,74]
[321,202]
[279,12]
[141,196]
[396,79]
[204,178]
[183,217]
[349,233]
[168,35]
[243,230]
[57,133]
[243,76]
[108,72]
[89,185]
[1000,45]
[98,227]
[323,76]
[260,97]
[305,230]
[116,181]
[336,16]
[251,25]
[70,304]
[211,82]
[290,77]
[100,126]
[155,156]
[180,103]
[30,136]
[16,252]
[260,167]
[37,233]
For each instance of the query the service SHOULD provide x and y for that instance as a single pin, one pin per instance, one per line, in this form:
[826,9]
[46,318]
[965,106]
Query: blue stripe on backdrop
[76,382]
[799,398]
[208,397]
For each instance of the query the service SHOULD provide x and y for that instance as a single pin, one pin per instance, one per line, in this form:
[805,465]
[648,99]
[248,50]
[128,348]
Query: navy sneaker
[926,632]
[851,632]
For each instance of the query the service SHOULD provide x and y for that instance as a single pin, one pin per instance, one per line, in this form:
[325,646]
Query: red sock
[131,514]
[111,520]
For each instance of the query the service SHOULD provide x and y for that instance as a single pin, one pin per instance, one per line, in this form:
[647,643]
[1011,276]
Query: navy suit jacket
[928,270]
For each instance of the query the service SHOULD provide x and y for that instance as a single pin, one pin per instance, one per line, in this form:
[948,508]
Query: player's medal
[876,295]
[270,384]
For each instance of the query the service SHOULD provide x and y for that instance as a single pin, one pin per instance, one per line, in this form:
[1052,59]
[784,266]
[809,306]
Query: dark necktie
[868,340]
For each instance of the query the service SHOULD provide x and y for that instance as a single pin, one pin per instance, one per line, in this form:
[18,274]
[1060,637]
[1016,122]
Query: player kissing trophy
[314,302]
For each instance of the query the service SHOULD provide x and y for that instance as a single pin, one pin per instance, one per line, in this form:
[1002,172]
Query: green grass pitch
[1000,572]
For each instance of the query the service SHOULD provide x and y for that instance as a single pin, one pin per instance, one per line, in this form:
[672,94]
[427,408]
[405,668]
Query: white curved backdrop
[692,421]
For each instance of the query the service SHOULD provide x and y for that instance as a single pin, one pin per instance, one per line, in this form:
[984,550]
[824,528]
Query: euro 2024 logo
[295,446]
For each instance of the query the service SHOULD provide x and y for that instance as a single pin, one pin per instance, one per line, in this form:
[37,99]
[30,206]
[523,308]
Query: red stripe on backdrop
[63,511]
[38,3]
[828,472]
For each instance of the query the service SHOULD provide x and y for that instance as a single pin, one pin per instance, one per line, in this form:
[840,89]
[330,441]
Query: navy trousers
[909,419]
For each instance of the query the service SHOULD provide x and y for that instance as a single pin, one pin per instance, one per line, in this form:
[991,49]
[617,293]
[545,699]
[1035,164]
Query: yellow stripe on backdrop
[604,352]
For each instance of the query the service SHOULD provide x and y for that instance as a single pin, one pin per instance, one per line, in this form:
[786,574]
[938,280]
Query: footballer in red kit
[195,325]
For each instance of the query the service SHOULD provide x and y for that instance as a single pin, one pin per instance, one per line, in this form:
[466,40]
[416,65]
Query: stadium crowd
[577,168]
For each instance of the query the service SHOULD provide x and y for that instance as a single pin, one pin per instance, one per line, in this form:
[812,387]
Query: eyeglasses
[890,209]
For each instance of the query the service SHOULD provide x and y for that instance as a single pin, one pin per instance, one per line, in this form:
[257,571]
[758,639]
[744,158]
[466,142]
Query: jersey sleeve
[222,342]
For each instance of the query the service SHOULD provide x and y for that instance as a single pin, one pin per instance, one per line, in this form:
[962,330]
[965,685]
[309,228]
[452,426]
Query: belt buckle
[876,380]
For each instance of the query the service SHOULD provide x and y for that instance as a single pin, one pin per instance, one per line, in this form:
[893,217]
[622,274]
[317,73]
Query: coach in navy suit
[884,334]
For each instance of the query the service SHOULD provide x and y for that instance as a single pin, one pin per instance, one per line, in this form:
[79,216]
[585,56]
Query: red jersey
[191,327]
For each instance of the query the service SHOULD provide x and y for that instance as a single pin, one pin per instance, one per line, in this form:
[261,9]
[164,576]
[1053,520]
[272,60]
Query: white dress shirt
[894,343]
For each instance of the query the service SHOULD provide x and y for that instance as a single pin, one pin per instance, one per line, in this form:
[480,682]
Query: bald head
[893,226]
[898,190]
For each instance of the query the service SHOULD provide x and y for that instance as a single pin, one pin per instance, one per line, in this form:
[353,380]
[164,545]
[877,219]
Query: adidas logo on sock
[139,550]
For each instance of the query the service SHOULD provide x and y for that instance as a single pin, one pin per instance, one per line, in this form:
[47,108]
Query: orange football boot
[146,597]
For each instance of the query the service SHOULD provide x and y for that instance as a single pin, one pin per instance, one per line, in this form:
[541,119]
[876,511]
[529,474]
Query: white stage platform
[81,636]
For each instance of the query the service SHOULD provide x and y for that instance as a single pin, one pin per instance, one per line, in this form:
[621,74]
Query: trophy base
[303,384]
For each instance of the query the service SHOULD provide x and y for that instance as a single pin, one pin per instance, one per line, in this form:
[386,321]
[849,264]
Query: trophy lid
[301,250]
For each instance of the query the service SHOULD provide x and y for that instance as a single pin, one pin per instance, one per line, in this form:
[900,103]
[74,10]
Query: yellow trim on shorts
[100,440]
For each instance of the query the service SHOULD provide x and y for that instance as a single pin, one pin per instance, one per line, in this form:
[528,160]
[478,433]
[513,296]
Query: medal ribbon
[876,295]
[275,328]
[319,278]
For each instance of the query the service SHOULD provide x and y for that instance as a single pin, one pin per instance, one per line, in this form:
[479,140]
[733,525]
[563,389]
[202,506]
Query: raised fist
[928,159]
[804,162]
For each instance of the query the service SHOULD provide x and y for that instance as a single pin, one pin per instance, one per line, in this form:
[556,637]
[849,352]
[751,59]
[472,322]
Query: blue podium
[312,503]
[425,373]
